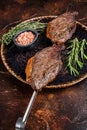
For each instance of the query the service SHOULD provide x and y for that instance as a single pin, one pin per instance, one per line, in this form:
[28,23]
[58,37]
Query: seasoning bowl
[26,39]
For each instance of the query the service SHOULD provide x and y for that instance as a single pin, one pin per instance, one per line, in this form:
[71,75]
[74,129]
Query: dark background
[14,10]
[59,109]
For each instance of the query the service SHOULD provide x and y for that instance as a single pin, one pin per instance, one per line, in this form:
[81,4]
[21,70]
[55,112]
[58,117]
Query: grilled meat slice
[46,65]
[62,28]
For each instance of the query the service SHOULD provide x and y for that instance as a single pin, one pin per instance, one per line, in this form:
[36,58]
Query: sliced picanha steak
[60,29]
[43,67]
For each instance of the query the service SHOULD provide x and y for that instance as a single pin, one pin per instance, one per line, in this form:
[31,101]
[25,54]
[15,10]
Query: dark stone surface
[59,109]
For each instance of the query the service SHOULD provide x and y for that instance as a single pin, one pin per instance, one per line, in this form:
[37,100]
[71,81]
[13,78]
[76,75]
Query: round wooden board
[61,84]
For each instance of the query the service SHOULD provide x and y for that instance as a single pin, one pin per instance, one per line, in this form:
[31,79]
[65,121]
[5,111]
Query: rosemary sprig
[7,37]
[76,56]
[82,49]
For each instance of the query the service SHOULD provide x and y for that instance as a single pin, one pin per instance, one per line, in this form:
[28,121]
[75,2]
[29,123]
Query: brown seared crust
[44,67]
[28,69]
[60,29]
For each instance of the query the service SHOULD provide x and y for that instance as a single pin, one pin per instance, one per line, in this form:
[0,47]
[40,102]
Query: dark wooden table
[59,109]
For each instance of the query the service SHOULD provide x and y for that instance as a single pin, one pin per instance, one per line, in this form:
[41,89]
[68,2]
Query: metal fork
[21,122]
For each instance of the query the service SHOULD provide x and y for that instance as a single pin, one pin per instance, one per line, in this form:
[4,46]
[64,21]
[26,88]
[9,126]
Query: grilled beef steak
[46,64]
[43,67]
[62,28]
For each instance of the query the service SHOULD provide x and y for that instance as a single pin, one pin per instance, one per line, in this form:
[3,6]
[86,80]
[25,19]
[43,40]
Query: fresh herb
[39,26]
[76,56]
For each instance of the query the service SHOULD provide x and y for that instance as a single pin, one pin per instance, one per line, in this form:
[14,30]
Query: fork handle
[27,112]
[21,122]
